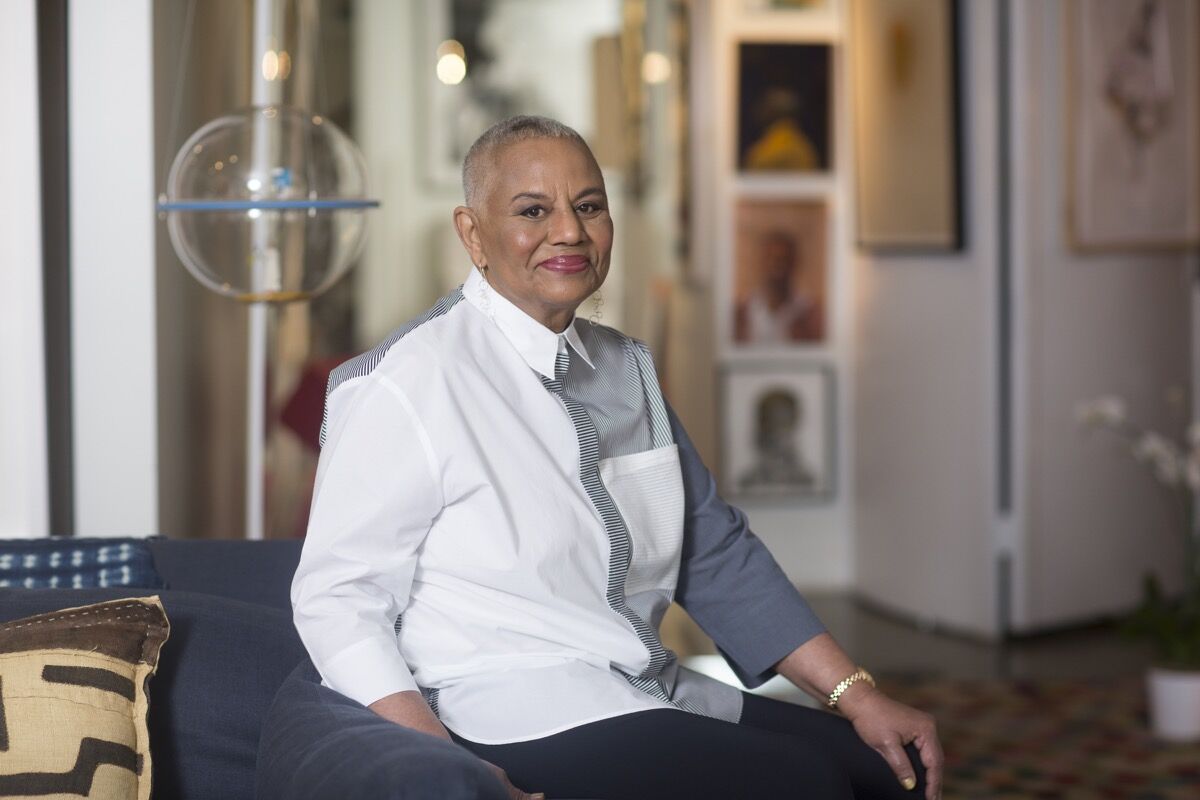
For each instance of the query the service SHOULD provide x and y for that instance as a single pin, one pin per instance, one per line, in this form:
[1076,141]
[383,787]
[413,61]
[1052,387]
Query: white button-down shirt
[525,527]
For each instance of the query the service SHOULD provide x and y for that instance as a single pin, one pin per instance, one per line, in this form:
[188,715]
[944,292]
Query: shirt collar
[537,345]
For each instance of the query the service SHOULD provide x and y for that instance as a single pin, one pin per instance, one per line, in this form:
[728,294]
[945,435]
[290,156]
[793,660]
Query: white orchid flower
[1193,434]
[1107,410]
[1192,472]
[1151,446]
[1168,469]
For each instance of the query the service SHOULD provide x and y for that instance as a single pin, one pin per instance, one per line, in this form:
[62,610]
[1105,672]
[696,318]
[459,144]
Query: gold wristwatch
[840,689]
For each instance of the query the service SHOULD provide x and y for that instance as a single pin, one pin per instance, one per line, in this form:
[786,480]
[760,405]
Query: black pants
[777,750]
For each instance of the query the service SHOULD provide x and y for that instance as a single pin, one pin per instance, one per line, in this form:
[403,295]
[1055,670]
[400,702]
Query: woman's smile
[566,265]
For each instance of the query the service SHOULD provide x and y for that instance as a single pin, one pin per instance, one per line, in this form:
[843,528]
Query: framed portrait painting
[784,108]
[780,273]
[778,438]
[907,136]
[1134,132]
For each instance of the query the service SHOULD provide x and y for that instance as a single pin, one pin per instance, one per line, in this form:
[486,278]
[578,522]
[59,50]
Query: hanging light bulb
[451,65]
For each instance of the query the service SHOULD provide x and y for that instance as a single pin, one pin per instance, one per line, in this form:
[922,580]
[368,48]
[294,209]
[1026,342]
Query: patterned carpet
[1051,739]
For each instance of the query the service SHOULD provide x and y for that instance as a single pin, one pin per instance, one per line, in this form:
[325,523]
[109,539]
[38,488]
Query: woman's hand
[410,710]
[887,726]
[513,792]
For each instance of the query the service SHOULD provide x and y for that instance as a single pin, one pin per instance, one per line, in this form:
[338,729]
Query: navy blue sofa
[236,708]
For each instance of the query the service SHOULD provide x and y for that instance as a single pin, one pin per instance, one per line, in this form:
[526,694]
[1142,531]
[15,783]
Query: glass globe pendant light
[267,206]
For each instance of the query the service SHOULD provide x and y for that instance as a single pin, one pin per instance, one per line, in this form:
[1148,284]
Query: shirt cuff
[768,632]
[368,671]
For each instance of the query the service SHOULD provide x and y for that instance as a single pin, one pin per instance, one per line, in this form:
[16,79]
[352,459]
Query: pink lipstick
[566,265]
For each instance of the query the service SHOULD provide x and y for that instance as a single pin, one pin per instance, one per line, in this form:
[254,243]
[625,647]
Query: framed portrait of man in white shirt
[780,283]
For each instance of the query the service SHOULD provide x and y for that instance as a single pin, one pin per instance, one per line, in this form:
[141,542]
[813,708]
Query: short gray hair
[502,134]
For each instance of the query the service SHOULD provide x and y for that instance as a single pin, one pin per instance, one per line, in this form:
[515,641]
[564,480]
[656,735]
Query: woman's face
[541,228]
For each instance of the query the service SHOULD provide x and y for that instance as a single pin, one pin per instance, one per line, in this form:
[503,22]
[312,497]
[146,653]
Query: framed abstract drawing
[779,436]
[1134,124]
[907,136]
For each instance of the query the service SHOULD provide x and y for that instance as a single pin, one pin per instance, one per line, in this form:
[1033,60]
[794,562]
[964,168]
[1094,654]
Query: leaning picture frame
[1133,132]
[779,433]
[908,132]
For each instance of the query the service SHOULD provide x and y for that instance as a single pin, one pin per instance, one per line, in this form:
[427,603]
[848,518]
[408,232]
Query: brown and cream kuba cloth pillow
[73,700]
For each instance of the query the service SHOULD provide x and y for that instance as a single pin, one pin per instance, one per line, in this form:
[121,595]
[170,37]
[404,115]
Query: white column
[115,414]
[24,500]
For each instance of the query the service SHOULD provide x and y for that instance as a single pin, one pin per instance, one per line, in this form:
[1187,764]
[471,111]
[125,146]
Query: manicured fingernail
[909,783]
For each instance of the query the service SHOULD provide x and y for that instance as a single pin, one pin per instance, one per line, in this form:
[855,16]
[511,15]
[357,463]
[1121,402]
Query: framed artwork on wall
[1134,129]
[780,288]
[779,436]
[907,136]
[784,107]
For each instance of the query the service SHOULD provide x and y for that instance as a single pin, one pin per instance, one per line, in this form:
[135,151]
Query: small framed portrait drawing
[779,437]
[780,275]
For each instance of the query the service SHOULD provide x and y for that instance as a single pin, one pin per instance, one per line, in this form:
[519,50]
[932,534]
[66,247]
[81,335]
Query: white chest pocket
[647,488]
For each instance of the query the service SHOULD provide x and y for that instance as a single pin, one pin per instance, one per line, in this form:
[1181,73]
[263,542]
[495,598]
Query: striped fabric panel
[364,364]
[618,537]
[660,424]
[611,393]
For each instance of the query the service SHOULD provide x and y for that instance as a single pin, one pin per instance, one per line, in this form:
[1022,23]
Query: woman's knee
[799,767]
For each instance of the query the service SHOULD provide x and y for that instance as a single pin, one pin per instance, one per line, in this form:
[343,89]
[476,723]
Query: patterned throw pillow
[77,563]
[73,700]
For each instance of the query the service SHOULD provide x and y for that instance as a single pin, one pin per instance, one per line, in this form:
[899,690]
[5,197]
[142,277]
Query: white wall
[924,371]
[1086,520]
[1092,521]
[112,268]
[24,498]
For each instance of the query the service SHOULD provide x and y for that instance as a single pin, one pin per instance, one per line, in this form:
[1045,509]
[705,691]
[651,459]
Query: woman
[504,509]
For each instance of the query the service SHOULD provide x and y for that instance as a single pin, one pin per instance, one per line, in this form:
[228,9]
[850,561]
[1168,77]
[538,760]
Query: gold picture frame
[907,128]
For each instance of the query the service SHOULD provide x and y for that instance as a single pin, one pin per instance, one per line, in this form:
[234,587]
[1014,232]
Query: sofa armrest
[320,745]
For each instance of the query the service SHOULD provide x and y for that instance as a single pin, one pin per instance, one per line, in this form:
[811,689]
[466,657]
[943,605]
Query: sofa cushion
[320,745]
[216,679]
[73,701]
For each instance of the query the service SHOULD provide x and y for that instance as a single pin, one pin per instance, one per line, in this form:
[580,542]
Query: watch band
[847,682]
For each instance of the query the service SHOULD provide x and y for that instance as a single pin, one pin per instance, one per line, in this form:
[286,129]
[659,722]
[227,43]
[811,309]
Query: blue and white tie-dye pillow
[70,563]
